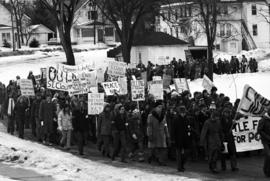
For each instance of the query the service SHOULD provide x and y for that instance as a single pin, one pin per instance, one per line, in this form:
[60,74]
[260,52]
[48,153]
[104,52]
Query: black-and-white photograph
[134,90]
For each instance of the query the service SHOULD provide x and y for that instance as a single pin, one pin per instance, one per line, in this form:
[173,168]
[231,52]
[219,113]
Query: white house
[241,24]
[38,32]
[90,26]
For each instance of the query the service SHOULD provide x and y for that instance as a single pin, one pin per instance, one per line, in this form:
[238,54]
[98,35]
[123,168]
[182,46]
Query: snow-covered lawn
[62,166]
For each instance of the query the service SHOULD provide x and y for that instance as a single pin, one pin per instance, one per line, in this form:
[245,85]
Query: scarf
[10,106]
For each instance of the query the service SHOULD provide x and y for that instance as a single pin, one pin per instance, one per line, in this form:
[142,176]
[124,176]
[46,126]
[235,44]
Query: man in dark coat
[227,126]
[47,114]
[264,131]
[182,137]
[35,116]
[20,108]
[79,123]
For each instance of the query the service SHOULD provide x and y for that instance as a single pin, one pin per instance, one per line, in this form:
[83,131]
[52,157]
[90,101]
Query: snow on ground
[62,166]
[2,178]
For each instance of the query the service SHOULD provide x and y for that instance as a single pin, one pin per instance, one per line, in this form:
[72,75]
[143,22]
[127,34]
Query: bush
[6,44]
[34,43]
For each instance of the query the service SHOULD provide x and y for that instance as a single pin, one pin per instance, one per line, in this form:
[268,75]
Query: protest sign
[26,87]
[95,103]
[252,103]
[131,65]
[167,81]
[117,68]
[100,75]
[122,81]
[75,68]
[157,78]
[111,88]
[144,78]
[181,85]
[137,90]
[207,84]
[246,136]
[156,89]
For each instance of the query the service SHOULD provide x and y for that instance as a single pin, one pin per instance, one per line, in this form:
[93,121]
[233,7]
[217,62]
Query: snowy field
[65,166]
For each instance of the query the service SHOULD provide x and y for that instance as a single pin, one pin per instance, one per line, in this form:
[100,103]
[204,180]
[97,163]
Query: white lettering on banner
[95,103]
[137,90]
[111,88]
[252,103]
[156,89]
[207,84]
[26,87]
[246,136]
[122,81]
[117,68]
[181,85]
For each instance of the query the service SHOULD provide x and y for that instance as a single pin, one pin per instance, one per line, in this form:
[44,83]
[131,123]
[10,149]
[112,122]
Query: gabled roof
[157,39]
[4,26]
[35,27]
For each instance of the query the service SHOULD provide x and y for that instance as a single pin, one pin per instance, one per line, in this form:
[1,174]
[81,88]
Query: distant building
[242,24]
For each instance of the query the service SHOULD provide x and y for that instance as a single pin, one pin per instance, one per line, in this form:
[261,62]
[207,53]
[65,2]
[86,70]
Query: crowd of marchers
[180,127]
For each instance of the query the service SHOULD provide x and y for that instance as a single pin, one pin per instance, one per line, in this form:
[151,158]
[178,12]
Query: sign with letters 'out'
[245,134]
[137,90]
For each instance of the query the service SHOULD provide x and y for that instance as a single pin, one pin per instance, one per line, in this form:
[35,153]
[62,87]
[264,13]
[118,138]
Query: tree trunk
[210,62]
[67,46]
[126,49]
[21,31]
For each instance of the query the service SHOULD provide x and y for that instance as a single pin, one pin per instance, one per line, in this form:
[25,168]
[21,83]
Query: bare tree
[125,16]
[64,12]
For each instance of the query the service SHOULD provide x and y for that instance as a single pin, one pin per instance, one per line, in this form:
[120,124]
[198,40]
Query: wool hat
[158,103]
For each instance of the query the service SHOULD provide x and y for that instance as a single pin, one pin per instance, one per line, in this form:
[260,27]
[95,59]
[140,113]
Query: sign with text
[111,88]
[156,89]
[207,84]
[181,85]
[75,68]
[117,68]
[246,136]
[137,90]
[27,88]
[122,81]
[95,103]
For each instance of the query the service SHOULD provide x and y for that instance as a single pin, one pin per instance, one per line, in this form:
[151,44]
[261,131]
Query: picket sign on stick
[111,88]
[95,103]
[137,90]
[181,85]
[117,68]
[156,89]
[26,87]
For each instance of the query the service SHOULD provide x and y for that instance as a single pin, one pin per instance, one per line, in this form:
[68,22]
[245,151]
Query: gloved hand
[134,136]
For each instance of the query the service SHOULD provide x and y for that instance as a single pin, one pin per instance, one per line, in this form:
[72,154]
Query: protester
[19,110]
[264,131]
[36,130]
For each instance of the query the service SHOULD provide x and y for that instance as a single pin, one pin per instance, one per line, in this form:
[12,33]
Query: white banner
[75,68]
[156,89]
[207,84]
[111,88]
[245,135]
[95,103]
[117,68]
[137,90]
[252,103]
[181,85]
[26,87]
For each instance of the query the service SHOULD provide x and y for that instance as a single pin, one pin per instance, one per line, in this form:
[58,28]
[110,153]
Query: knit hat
[213,89]
[158,103]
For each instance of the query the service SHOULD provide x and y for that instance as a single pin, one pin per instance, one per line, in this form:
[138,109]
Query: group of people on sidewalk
[180,127]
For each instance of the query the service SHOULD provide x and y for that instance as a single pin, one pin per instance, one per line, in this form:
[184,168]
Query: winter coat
[157,131]
[119,122]
[227,126]
[35,110]
[212,135]
[264,129]
[105,123]
[47,114]
[2,93]
[181,132]
[79,120]
[65,121]
[135,127]
[20,109]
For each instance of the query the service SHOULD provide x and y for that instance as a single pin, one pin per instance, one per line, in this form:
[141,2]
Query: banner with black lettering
[111,88]
[137,90]
[252,103]
[245,133]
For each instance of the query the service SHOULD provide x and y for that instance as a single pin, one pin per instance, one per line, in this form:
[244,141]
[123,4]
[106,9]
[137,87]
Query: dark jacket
[264,129]
[20,110]
[35,110]
[181,132]
[79,120]
[105,123]
[119,122]
[135,126]
[47,114]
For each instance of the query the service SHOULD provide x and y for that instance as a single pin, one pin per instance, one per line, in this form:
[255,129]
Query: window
[87,32]
[94,15]
[189,11]
[6,36]
[222,30]
[255,30]
[229,29]
[109,31]
[217,46]
[254,9]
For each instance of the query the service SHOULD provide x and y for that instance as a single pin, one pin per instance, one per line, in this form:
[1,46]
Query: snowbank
[62,166]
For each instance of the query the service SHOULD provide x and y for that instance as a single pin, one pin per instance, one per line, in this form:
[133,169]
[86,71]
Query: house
[157,47]
[38,32]
[90,26]
[241,24]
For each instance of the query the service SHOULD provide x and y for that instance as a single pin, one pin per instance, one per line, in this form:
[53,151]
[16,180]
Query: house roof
[157,39]
[92,24]
[34,27]
[4,26]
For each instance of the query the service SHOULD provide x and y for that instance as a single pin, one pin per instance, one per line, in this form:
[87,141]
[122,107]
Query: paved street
[250,167]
